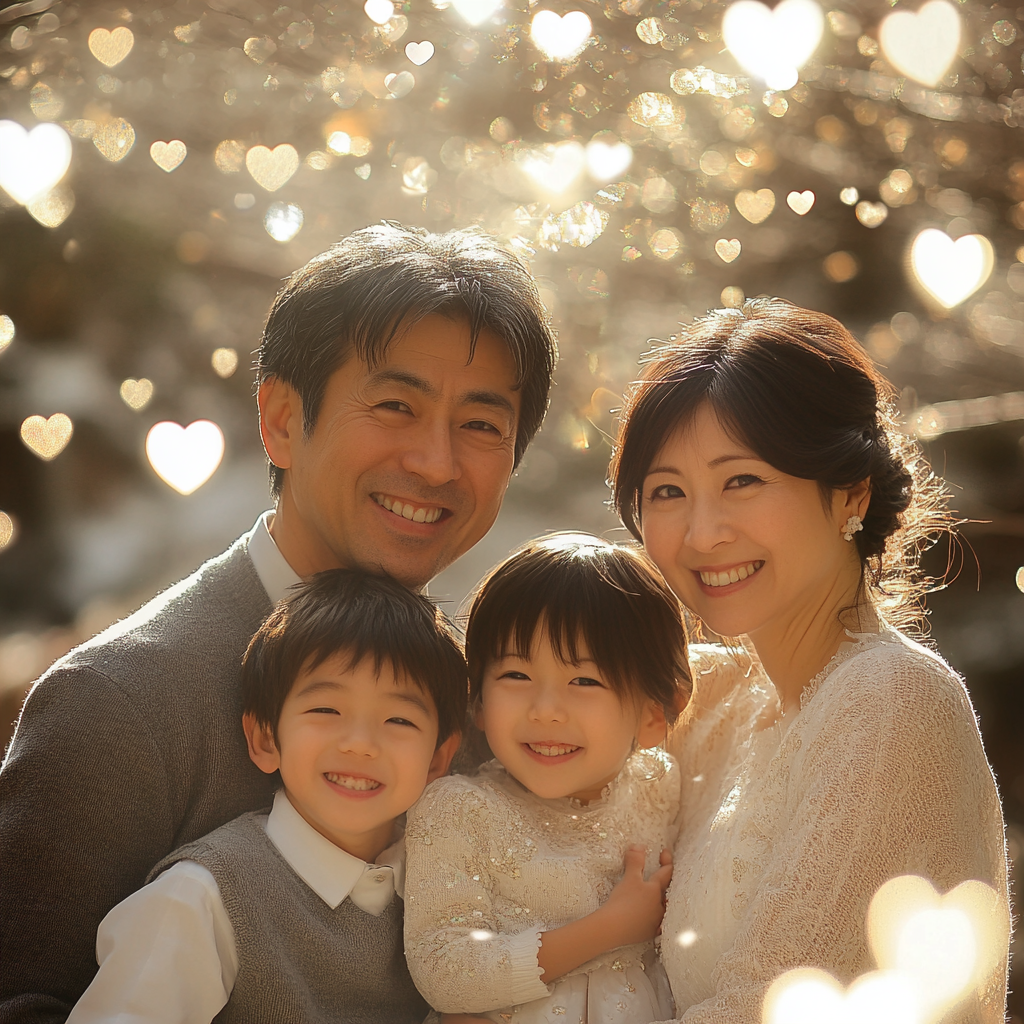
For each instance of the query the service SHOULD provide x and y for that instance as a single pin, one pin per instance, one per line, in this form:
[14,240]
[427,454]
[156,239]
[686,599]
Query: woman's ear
[262,746]
[653,726]
[853,501]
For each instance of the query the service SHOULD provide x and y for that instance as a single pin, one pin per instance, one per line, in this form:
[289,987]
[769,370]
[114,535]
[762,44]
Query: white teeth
[424,514]
[350,782]
[734,575]
[551,751]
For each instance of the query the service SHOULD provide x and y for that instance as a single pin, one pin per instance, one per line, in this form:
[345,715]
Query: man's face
[408,463]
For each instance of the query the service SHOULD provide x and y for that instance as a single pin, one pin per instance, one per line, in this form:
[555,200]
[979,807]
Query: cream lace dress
[490,866]
[790,824]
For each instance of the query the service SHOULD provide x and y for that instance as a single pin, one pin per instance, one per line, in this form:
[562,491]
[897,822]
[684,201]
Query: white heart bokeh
[555,166]
[810,996]
[951,271]
[923,45]
[32,162]
[773,44]
[607,160]
[185,457]
[419,53]
[475,11]
[560,38]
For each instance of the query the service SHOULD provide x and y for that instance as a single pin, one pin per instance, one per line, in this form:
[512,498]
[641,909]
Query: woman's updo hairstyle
[796,388]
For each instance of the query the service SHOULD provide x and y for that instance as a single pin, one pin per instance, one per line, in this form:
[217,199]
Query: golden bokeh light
[224,361]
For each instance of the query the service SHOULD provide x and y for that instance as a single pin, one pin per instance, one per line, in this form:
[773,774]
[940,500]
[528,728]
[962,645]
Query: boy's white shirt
[167,953]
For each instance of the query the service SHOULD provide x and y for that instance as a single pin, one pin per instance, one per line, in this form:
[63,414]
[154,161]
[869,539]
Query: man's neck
[301,547]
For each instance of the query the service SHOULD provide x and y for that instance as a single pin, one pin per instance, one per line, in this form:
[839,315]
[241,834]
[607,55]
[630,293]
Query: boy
[354,689]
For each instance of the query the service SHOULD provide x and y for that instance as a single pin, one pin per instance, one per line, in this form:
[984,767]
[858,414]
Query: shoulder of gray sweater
[210,613]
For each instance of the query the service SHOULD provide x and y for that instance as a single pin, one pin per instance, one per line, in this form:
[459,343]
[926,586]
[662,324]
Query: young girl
[517,907]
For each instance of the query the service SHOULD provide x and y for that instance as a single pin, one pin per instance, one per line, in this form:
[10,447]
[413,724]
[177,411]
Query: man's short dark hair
[358,294]
[357,615]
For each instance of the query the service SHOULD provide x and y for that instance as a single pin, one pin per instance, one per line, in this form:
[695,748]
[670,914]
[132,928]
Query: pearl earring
[852,526]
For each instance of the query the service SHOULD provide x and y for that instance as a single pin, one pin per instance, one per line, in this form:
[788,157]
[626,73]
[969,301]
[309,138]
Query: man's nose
[431,454]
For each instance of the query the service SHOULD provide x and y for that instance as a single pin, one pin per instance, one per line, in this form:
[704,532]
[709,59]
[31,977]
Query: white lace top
[490,866]
[791,824]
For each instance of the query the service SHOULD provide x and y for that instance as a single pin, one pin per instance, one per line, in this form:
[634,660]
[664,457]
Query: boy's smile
[355,749]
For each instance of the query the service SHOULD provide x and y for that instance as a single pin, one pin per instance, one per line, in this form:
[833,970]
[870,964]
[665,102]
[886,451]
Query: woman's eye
[585,681]
[663,491]
[743,480]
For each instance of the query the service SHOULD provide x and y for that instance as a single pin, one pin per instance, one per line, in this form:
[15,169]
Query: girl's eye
[403,721]
[663,491]
[513,674]
[585,681]
[743,480]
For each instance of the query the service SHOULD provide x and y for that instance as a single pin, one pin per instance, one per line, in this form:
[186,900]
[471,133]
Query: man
[401,377]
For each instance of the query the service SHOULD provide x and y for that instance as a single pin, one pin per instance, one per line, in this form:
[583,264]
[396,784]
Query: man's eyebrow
[494,399]
[391,375]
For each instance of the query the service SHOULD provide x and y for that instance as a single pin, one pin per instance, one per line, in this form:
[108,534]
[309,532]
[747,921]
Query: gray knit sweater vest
[299,962]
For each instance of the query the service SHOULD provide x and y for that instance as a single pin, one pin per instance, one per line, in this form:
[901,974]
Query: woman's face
[743,545]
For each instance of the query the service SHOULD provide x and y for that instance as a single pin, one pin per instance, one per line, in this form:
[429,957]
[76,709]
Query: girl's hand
[636,906]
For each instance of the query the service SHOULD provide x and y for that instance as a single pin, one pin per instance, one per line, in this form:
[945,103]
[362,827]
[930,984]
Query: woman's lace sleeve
[888,777]
[460,958]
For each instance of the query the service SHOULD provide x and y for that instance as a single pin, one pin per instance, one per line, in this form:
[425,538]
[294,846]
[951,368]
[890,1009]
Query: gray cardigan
[127,748]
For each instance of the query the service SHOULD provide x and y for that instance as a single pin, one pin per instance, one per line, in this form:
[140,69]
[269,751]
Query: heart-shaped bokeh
[755,206]
[923,45]
[32,162]
[379,11]
[419,53]
[951,271]
[810,996]
[114,139]
[136,394]
[7,331]
[607,160]
[111,48]
[475,11]
[185,457]
[168,155]
[7,530]
[948,944]
[271,168]
[728,249]
[554,166]
[399,85]
[560,38]
[800,202]
[47,437]
[773,44]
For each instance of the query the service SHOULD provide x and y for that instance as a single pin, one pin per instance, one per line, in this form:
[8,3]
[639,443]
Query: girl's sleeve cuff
[522,951]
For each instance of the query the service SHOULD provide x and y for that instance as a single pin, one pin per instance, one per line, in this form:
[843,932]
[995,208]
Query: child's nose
[547,708]
[359,739]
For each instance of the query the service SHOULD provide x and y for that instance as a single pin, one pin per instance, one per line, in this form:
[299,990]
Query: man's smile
[407,510]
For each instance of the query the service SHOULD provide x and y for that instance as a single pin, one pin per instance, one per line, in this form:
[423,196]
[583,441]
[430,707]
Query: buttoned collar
[329,871]
[276,575]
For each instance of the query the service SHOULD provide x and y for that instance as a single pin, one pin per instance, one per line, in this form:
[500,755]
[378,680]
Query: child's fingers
[666,856]
[663,876]
[634,861]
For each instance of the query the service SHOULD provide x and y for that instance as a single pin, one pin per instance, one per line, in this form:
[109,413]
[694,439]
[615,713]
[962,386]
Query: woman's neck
[793,650]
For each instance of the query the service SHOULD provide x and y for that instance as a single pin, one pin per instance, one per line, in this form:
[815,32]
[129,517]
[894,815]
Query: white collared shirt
[167,953]
[276,575]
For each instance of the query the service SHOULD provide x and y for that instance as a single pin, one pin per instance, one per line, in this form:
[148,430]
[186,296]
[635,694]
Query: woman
[759,464]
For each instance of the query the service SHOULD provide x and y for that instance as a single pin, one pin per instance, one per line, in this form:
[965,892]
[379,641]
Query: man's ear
[280,420]
[262,748]
[653,727]
[442,759]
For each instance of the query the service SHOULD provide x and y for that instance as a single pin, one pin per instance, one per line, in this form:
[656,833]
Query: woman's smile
[727,580]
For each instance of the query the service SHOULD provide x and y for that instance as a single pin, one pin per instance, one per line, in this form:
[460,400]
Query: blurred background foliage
[645,179]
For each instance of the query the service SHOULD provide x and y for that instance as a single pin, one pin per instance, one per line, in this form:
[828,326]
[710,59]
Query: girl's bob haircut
[596,599]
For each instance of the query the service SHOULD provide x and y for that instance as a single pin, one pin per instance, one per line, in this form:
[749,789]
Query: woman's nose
[707,526]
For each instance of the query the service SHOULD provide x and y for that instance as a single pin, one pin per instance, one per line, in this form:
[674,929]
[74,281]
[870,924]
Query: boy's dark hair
[611,599]
[358,615]
[360,292]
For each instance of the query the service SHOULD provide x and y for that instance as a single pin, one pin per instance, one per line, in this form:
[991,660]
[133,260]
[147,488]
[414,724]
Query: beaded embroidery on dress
[490,866]
[881,773]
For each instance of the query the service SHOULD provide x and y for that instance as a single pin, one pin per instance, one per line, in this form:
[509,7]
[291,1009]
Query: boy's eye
[324,711]
[585,681]
[403,721]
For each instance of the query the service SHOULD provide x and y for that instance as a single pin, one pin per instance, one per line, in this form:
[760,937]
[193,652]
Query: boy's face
[355,751]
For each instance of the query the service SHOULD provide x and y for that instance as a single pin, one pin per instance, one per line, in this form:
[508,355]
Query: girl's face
[745,546]
[558,728]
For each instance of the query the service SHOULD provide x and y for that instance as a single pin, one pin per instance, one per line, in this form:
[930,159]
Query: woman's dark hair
[611,600]
[796,388]
[359,294]
[357,615]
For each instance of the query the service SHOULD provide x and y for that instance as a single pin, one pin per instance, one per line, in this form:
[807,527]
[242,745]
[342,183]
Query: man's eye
[585,681]
[663,491]
[483,425]
[393,405]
